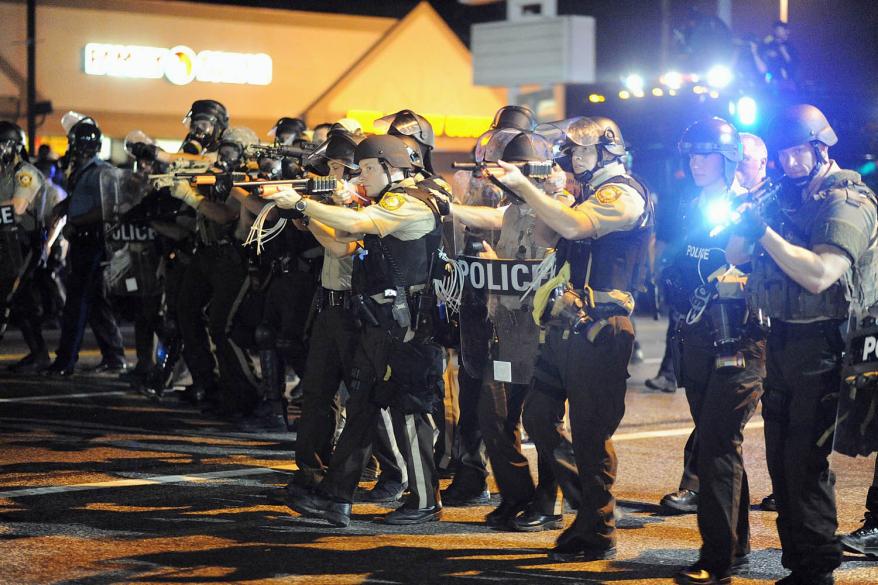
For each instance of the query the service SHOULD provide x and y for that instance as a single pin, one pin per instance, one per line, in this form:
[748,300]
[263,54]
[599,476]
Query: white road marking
[157,479]
[62,396]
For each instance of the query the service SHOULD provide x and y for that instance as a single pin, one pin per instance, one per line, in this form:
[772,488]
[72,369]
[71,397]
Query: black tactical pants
[363,419]
[216,281]
[872,496]
[286,306]
[721,403]
[592,377]
[87,303]
[801,385]
[471,470]
[333,342]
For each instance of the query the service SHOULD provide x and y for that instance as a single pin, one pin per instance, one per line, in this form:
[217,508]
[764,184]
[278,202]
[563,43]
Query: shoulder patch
[24,179]
[392,201]
[608,194]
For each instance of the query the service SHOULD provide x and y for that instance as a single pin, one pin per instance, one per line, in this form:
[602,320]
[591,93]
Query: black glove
[751,225]
[143,151]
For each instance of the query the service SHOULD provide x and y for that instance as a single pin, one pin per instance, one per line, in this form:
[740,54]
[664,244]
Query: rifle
[300,150]
[764,197]
[320,186]
[534,170]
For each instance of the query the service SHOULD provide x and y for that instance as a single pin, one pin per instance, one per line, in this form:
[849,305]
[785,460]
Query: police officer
[721,354]
[588,337]
[26,201]
[513,339]
[86,297]
[287,268]
[395,363]
[217,279]
[803,264]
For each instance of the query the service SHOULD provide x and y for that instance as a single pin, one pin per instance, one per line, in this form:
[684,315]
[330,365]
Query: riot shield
[856,425]
[132,252]
[498,260]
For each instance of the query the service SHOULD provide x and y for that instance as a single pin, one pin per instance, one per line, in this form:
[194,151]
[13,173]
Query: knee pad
[264,337]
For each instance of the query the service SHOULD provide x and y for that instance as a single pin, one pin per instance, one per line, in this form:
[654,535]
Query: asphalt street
[98,485]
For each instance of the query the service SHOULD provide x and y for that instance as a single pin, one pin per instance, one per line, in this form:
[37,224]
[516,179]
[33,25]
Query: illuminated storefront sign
[451,126]
[180,65]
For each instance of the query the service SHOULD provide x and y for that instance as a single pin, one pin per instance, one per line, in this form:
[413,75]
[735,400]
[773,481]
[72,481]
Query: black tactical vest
[698,257]
[388,262]
[770,290]
[617,258]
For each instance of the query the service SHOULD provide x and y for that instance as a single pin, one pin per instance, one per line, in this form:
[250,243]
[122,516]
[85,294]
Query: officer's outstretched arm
[478,216]
[339,218]
[567,222]
[815,271]
[327,238]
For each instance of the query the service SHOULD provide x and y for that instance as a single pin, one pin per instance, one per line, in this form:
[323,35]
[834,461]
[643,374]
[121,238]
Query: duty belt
[335,298]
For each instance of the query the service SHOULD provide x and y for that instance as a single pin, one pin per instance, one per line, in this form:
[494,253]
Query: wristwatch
[300,205]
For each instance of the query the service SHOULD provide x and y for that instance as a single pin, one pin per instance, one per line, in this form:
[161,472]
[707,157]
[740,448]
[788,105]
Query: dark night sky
[837,40]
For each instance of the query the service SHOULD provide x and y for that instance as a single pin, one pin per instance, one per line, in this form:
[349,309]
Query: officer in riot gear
[395,363]
[808,259]
[720,356]
[287,131]
[588,338]
[333,342]
[207,120]
[287,268]
[217,279]
[86,296]
[26,201]
[512,340]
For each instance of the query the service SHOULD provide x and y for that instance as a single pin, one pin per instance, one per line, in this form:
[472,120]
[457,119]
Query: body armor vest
[770,290]
[389,262]
[617,258]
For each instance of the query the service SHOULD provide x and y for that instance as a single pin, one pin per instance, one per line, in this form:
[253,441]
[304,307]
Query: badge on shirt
[608,194]
[391,201]
[24,179]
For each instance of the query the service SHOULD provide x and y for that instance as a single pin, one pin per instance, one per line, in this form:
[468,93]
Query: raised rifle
[534,170]
[322,187]
[260,151]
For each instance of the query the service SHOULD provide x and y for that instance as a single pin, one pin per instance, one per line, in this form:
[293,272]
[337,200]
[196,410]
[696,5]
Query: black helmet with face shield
[406,123]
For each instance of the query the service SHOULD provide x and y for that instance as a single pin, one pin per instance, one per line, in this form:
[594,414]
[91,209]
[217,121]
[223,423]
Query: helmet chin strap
[820,160]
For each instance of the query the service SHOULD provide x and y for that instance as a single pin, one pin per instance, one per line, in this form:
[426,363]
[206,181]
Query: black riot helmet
[339,147]
[407,123]
[84,138]
[287,130]
[207,120]
[386,148]
[12,142]
[517,146]
[517,117]
[714,135]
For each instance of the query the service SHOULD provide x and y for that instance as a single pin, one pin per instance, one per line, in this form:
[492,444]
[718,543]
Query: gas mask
[271,168]
[8,151]
[230,157]
[200,137]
